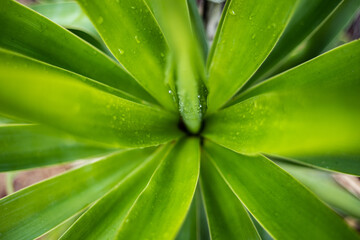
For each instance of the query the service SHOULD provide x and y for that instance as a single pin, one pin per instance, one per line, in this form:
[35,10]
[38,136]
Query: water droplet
[253,36]
[232,12]
[250,17]
[132,7]
[121,51]
[170,91]
[114,117]
[162,54]
[137,39]
[100,20]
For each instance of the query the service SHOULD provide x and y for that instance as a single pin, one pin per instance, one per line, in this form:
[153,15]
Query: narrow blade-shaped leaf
[325,37]
[309,15]
[198,27]
[29,146]
[33,211]
[195,226]
[79,106]
[189,229]
[60,229]
[337,162]
[67,14]
[325,187]
[175,21]
[134,38]
[104,218]
[27,32]
[70,16]
[281,204]
[313,109]
[163,204]
[247,32]
[227,217]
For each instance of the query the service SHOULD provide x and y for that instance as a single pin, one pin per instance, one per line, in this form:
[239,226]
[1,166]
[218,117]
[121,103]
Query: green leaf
[198,27]
[326,36]
[325,187]
[28,146]
[247,32]
[59,230]
[67,14]
[134,38]
[161,207]
[78,105]
[338,162]
[27,32]
[227,217]
[35,210]
[310,110]
[70,16]
[195,226]
[281,204]
[189,229]
[104,218]
[307,19]
[175,21]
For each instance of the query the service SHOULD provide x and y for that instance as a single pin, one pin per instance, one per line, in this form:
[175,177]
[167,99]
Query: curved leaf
[189,229]
[29,146]
[104,218]
[337,162]
[281,204]
[175,21]
[70,16]
[77,105]
[67,14]
[35,210]
[307,19]
[161,207]
[246,34]
[134,38]
[227,217]
[324,186]
[27,32]
[310,110]
[326,36]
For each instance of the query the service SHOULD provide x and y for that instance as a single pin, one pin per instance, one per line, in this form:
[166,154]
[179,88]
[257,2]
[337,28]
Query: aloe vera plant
[180,141]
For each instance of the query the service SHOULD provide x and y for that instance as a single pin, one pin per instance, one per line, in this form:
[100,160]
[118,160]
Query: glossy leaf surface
[78,105]
[175,21]
[246,34]
[312,109]
[134,38]
[104,218]
[162,206]
[67,14]
[326,35]
[308,17]
[325,187]
[28,146]
[33,211]
[281,204]
[337,162]
[227,217]
[190,227]
[27,32]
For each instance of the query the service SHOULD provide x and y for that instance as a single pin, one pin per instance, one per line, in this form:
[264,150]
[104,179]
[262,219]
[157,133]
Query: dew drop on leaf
[232,12]
[137,39]
[121,51]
